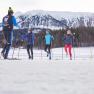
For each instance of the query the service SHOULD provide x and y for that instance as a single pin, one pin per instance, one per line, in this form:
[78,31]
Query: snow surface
[43,76]
[78,53]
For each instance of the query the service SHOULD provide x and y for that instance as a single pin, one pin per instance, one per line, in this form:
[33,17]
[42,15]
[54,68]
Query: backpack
[7,23]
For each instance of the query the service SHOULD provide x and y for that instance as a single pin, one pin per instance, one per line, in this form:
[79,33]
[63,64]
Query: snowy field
[43,76]
[82,53]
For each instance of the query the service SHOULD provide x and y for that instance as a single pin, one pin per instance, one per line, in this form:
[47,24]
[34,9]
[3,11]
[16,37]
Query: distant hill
[54,19]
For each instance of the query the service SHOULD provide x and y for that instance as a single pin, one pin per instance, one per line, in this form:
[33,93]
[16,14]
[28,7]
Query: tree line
[83,37]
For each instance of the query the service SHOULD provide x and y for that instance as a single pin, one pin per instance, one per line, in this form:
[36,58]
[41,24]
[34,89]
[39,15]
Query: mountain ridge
[54,19]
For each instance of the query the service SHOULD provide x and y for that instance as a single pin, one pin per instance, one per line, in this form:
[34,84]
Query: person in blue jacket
[8,22]
[48,42]
[30,43]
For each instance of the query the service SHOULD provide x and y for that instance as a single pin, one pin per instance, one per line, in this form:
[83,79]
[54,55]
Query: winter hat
[10,11]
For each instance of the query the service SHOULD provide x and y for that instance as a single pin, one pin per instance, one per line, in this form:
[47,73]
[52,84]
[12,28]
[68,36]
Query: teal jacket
[48,39]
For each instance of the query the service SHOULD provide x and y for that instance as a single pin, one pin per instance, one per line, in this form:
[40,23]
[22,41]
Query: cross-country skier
[8,22]
[30,43]
[68,42]
[48,42]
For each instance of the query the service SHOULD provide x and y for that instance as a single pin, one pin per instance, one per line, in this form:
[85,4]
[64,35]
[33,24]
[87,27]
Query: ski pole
[62,53]
[91,52]
[74,52]
[18,52]
[41,52]
[13,53]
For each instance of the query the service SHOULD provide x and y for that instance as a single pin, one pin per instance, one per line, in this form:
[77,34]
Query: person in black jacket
[30,43]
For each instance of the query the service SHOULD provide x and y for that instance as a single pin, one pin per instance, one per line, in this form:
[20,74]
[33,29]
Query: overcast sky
[51,5]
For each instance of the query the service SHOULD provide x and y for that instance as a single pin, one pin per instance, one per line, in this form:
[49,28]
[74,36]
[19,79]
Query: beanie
[10,11]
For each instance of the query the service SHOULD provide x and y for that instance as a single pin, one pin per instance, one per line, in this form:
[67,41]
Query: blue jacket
[11,22]
[68,39]
[30,38]
[48,39]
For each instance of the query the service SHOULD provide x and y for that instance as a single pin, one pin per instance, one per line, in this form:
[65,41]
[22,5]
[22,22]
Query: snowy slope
[80,53]
[58,15]
[42,76]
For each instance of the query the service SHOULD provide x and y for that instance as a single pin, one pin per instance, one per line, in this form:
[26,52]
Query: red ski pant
[68,48]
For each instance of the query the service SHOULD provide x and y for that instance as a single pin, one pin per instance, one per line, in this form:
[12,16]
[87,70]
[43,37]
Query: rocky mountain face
[55,20]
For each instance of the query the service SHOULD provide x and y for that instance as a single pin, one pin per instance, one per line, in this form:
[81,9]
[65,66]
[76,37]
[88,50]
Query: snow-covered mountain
[54,19]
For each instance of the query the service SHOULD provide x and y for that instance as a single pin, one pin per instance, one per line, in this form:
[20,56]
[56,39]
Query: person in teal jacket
[48,41]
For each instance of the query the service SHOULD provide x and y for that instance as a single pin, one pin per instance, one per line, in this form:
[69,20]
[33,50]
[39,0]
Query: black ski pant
[30,50]
[47,48]
[8,38]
